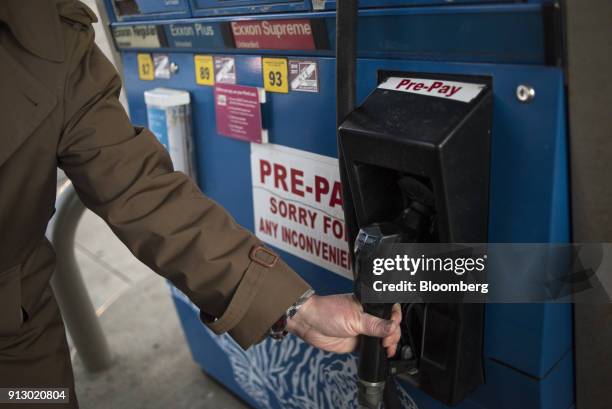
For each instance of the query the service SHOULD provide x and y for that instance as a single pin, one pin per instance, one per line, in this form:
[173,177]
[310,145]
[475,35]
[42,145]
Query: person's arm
[125,176]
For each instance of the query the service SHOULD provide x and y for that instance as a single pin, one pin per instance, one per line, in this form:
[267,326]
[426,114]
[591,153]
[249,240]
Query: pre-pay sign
[297,204]
[457,91]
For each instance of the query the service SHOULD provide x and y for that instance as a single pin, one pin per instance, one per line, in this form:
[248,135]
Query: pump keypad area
[436,140]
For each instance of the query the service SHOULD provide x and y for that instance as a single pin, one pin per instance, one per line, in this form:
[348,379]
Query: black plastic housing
[444,144]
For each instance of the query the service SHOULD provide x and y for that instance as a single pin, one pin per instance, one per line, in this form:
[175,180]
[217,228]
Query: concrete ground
[152,365]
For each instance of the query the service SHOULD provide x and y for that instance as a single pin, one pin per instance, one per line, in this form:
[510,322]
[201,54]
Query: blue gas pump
[280,177]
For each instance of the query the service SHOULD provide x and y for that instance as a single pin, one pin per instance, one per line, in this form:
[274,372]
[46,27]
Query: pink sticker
[238,112]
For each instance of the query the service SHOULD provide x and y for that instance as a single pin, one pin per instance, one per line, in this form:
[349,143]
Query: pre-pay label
[297,202]
[457,91]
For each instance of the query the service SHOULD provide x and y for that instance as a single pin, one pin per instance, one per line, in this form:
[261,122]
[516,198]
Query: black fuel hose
[346,73]
[346,57]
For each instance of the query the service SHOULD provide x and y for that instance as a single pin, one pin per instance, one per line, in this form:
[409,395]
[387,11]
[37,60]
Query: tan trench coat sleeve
[125,176]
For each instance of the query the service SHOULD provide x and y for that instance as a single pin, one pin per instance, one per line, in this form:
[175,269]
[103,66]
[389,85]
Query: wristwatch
[279,329]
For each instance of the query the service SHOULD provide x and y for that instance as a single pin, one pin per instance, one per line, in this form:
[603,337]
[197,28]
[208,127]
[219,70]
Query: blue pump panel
[234,7]
[454,33]
[136,10]
[527,347]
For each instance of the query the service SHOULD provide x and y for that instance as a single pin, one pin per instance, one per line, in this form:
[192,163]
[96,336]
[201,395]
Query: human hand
[333,323]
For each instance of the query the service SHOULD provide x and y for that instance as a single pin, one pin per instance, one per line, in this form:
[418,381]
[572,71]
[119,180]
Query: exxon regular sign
[297,203]
[296,34]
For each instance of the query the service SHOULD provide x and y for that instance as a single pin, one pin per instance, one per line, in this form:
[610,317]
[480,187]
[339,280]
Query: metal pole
[68,285]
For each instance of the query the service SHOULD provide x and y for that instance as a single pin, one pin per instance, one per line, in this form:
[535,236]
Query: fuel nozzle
[410,226]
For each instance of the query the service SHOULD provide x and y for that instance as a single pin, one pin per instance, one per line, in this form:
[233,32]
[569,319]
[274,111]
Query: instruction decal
[161,62]
[297,203]
[225,70]
[238,112]
[304,75]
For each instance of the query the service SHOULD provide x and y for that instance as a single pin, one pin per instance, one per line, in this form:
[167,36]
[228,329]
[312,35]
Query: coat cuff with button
[268,285]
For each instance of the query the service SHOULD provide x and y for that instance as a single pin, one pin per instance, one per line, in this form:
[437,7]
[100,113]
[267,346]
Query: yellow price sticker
[204,70]
[275,75]
[146,70]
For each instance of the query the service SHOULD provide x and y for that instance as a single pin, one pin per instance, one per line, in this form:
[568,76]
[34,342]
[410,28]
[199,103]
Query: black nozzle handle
[373,357]
[373,365]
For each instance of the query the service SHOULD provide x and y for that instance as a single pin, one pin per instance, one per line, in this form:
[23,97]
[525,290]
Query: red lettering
[338,227]
[273,208]
[280,174]
[302,216]
[316,247]
[264,170]
[326,223]
[321,187]
[293,212]
[335,226]
[435,85]
[268,227]
[336,195]
[297,181]
[454,90]
[402,83]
